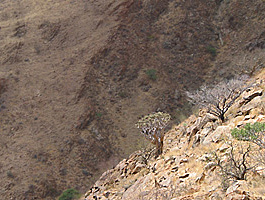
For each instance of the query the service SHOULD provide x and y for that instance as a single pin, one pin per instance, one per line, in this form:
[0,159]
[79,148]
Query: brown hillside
[76,75]
[186,43]
[45,46]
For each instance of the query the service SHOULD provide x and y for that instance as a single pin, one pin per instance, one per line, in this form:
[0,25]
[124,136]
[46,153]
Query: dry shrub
[220,97]
[236,163]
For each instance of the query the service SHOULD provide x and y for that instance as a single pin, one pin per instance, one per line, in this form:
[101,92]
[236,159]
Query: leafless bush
[220,97]
[236,164]
[147,153]
[153,128]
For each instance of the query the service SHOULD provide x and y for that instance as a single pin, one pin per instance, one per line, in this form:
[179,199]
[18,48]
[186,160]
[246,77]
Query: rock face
[217,135]
[188,171]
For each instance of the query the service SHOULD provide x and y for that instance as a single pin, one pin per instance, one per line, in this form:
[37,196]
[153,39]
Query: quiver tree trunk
[159,146]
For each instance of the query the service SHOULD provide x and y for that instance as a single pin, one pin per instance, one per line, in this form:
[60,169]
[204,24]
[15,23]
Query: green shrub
[10,174]
[251,132]
[69,194]
[151,73]
[99,114]
[211,50]
[123,94]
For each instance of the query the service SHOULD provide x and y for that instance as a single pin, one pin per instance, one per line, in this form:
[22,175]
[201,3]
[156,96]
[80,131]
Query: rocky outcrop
[185,170]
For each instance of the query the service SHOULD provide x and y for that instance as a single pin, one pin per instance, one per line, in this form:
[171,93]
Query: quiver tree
[219,98]
[153,126]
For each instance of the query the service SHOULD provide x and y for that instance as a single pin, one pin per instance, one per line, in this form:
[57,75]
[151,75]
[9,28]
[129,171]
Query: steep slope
[184,170]
[44,47]
[160,50]
[76,75]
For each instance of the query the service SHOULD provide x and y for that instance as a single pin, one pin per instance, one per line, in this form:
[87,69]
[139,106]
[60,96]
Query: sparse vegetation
[220,97]
[153,128]
[212,50]
[123,94]
[69,194]
[254,133]
[10,174]
[251,132]
[236,164]
[99,114]
[152,74]
[151,37]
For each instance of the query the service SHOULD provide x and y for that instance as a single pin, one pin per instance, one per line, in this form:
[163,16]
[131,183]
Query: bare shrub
[236,164]
[147,153]
[153,126]
[220,97]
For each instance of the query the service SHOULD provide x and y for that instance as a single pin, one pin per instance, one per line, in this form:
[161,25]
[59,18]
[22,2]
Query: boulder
[261,118]
[205,157]
[167,182]
[224,147]
[238,190]
[200,178]
[216,196]
[260,171]
[174,169]
[246,108]
[209,165]
[200,123]
[206,131]
[139,186]
[243,123]
[216,135]
[249,96]
[138,168]
[183,160]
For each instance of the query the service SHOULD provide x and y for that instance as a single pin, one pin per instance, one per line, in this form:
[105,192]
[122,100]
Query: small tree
[69,194]
[251,132]
[152,74]
[153,128]
[220,97]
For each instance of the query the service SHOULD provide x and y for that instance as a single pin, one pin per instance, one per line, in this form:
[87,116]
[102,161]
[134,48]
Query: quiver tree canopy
[153,126]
